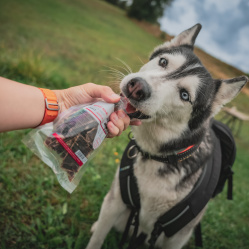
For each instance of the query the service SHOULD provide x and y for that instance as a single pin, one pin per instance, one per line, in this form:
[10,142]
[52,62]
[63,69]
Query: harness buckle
[129,152]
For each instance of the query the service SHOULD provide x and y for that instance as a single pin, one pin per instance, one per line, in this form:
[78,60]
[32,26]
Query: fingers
[136,122]
[119,121]
[104,92]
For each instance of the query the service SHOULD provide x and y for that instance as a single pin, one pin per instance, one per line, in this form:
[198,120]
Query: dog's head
[176,87]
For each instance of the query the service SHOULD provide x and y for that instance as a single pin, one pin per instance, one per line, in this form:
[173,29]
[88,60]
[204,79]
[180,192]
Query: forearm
[21,106]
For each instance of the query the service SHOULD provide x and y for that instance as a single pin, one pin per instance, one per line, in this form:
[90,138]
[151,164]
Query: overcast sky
[225,27]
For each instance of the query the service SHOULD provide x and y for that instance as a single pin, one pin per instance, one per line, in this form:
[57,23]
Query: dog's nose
[138,89]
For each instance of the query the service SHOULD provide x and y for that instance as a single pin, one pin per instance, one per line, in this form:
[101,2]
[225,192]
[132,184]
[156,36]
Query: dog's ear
[187,37]
[226,90]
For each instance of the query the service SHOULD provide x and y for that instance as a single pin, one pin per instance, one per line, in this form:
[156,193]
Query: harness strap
[182,213]
[186,210]
[230,187]
[135,241]
[129,192]
[198,236]
[128,182]
[127,228]
[134,235]
[228,149]
[155,234]
[138,241]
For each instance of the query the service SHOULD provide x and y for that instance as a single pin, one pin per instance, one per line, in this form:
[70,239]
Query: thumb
[104,92]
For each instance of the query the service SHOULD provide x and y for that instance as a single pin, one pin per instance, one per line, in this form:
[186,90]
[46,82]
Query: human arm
[22,106]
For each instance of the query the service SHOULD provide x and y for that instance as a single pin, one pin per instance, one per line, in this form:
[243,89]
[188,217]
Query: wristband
[51,106]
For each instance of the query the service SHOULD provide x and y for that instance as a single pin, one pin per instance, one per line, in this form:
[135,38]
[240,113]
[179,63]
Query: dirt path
[246,90]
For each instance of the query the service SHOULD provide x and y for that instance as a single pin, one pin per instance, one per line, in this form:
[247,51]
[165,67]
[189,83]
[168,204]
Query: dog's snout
[138,89]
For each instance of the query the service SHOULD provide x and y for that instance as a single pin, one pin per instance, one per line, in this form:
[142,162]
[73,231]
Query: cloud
[225,32]
[243,39]
[222,6]
[182,17]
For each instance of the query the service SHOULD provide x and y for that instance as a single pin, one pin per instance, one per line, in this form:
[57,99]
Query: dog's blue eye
[163,62]
[184,95]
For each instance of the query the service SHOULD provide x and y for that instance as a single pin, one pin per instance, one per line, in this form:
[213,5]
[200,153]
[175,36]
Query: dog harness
[211,182]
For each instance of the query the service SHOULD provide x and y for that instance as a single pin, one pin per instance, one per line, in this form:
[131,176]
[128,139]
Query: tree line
[148,10]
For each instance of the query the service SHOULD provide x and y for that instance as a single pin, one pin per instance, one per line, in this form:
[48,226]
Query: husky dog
[180,97]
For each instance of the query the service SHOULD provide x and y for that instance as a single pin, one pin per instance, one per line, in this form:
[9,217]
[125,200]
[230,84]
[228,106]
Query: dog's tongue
[125,104]
[130,108]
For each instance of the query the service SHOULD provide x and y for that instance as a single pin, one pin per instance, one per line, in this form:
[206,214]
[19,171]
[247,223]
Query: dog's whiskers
[126,65]
[125,69]
[116,76]
[115,85]
[141,60]
[114,70]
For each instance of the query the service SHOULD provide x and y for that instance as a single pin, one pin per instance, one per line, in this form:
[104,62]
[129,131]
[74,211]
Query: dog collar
[174,157]
[171,158]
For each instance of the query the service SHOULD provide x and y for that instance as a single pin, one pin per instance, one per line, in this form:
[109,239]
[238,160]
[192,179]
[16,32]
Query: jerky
[78,136]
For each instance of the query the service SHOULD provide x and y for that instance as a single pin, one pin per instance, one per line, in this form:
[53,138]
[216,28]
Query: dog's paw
[93,228]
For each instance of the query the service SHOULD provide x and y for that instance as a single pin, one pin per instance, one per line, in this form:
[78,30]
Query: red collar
[176,156]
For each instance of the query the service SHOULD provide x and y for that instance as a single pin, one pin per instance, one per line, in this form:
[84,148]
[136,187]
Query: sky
[225,27]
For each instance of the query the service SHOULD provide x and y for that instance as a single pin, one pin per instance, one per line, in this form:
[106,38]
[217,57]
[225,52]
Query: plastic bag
[66,144]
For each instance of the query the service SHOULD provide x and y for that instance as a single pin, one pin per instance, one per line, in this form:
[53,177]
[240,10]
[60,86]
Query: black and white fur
[181,97]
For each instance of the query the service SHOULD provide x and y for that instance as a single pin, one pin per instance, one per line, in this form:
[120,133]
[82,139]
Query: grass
[57,44]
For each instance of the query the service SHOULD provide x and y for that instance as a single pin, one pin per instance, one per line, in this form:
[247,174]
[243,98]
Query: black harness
[208,185]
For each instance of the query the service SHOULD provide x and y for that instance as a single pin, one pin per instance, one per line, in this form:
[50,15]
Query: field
[61,43]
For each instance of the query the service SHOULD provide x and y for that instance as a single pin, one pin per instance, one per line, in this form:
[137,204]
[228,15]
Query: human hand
[90,92]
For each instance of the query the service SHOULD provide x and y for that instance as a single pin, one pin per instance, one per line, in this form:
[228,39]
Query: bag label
[81,156]
[100,136]
[100,110]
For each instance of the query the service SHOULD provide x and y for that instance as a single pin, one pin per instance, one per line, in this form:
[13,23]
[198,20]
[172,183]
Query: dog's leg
[111,209]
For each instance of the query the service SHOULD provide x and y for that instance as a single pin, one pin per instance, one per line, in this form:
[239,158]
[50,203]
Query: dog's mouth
[130,108]
[132,111]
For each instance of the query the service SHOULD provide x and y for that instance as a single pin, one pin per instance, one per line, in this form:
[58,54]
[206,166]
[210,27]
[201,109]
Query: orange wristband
[51,106]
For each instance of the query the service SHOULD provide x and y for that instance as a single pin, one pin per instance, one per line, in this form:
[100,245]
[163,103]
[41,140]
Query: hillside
[70,44]
[68,39]
[61,43]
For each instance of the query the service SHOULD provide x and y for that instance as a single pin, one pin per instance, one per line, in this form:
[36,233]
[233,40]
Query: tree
[120,3]
[114,2]
[148,10]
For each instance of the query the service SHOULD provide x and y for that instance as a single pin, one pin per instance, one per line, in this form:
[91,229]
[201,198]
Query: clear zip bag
[67,144]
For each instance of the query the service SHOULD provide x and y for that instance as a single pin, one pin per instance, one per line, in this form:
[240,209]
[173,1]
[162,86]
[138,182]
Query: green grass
[61,43]
[75,39]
